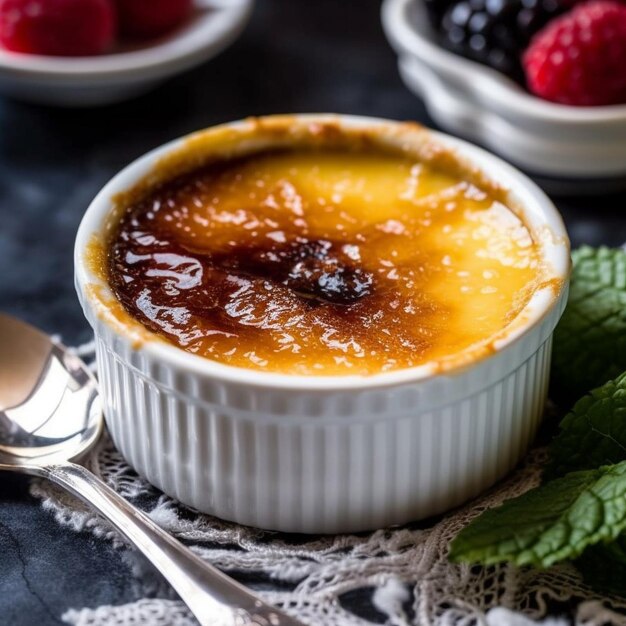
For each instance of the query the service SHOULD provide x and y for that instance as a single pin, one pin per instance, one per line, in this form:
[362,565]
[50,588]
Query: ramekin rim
[183,360]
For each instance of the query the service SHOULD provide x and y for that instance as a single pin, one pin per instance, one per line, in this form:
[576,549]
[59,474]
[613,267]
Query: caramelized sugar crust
[322,262]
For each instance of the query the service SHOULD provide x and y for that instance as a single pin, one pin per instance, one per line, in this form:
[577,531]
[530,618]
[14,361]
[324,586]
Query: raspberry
[150,18]
[580,57]
[495,32]
[57,27]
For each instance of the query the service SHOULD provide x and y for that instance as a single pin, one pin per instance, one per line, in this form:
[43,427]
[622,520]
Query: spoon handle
[214,598]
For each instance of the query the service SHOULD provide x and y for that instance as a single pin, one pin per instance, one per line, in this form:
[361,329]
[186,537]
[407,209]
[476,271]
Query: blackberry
[496,32]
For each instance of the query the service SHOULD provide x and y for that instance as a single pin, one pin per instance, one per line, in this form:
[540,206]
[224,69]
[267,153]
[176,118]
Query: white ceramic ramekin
[321,454]
[582,146]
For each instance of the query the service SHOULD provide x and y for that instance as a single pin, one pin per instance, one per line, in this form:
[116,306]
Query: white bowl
[320,454]
[127,72]
[475,101]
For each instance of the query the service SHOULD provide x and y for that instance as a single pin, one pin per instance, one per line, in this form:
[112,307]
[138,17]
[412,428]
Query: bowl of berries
[95,52]
[542,82]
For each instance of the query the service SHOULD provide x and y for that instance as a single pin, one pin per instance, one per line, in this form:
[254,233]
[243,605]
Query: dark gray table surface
[295,56]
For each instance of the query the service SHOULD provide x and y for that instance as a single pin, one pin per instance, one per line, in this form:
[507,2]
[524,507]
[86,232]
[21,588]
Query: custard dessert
[323,261]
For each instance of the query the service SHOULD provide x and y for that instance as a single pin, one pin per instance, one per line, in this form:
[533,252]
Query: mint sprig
[590,340]
[554,522]
[593,433]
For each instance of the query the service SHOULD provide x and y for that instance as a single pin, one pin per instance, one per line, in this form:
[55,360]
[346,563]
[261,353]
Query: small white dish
[127,71]
[581,144]
[320,453]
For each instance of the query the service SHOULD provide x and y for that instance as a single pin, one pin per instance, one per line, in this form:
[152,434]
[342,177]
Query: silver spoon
[49,415]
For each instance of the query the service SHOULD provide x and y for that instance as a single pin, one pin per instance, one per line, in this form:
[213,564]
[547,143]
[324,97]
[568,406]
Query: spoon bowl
[50,415]
[49,405]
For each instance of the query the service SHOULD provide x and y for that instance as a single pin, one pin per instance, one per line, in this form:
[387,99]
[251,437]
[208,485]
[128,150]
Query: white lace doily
[396,577]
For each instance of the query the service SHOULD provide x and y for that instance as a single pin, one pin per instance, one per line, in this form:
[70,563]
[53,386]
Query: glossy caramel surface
[322,262]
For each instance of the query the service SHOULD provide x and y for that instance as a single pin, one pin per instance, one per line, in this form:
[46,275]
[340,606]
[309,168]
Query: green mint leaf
[603,567]
[590,340]
[551,523]
[593,433]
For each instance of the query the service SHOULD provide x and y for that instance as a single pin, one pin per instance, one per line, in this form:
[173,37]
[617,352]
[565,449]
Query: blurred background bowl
[128,70]
[567,148]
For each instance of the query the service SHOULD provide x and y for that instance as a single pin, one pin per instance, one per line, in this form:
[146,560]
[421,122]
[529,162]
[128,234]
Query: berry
[57,27]
[580,58]
[495,32]
[150,18]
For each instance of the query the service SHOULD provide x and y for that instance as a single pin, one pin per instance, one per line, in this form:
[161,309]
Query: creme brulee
[322,262]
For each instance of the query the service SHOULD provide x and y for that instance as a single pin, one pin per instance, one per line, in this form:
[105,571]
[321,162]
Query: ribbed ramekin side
[339,473]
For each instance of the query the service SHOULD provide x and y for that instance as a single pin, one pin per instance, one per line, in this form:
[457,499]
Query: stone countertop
[295,56]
